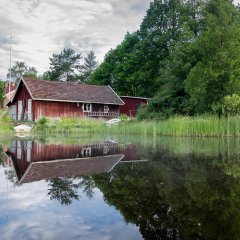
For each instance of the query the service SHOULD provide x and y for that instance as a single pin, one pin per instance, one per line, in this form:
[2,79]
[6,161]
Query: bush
[61,125]
[124,117]
[231,105]
[6,122]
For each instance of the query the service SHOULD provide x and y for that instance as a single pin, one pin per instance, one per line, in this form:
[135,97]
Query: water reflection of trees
[176,197]
[170,197]
[66,189]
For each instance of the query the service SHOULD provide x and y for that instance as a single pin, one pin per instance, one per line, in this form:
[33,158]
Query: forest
[185,56]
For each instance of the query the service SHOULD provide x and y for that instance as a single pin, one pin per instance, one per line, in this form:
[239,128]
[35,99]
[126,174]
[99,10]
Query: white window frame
[86,152]
[29,112]
[87,107]
[105,108]
[20,110]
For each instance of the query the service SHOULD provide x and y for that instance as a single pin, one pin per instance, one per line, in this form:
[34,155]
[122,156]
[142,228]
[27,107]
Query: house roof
[70,92]
[69,167]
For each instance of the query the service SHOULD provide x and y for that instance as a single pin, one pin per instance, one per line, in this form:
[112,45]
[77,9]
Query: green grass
[69,125]
[200,126]
[178,126]
[6,124]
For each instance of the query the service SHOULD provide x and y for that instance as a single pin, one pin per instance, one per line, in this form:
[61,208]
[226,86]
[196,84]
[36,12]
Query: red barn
[35,98]
[132,104]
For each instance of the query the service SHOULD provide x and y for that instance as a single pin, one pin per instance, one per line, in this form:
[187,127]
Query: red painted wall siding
[56,109]
[62,109]
[22,95]
[131,105]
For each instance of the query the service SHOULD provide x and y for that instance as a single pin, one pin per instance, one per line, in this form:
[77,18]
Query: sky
[40,28]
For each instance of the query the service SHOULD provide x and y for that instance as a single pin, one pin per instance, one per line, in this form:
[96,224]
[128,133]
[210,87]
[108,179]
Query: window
[86,152]
[87,107]
[106,108]
[105,150]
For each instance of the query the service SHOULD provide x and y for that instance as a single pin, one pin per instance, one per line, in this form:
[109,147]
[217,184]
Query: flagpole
[10,71]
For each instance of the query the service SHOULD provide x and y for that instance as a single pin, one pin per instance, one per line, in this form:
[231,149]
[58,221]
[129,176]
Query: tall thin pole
[10,77]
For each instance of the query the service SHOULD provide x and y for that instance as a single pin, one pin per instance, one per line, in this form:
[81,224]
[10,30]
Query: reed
[179,126]
[199,126]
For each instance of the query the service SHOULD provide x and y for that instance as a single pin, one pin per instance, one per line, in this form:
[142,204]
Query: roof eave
[71,101]
[123,103]
[21,80]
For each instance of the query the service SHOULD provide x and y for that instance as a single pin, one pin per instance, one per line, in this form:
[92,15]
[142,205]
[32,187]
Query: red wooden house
[132,104]
[36,98]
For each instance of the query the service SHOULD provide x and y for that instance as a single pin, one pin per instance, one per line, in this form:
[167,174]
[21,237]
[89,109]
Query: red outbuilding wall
[131,105]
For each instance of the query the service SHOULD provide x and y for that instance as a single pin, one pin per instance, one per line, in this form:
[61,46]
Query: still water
[66,187]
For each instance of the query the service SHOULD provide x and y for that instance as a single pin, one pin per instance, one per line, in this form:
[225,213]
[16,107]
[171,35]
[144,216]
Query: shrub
[231,105]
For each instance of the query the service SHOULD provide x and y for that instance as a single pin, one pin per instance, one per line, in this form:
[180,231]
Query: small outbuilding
[132,105]
[35,98]
[9,91]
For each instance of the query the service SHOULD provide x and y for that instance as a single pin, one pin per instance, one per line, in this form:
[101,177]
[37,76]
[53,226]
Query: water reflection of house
[34,161]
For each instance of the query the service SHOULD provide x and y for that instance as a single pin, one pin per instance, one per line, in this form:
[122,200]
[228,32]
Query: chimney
[13,86]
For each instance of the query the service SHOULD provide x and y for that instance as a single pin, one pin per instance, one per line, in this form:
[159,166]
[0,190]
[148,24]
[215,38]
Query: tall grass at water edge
[199,126]
[6,124]
[68,125]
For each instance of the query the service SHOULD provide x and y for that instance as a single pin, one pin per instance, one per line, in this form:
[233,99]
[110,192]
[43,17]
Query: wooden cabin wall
[56,109]
[131,105]
[64,109]
[22,95]
[100,108]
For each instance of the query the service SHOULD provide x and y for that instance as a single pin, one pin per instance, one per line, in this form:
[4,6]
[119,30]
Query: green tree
[46,75]
[231,105]
[64,66]
[118,67]
[21,69]
[139,65]
[217,72]
[31,72]
[89,66]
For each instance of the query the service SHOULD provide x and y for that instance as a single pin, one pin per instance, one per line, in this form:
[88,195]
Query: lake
[119,187]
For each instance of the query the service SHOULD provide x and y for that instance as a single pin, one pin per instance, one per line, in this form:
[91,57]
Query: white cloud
[42,27]
[26,212]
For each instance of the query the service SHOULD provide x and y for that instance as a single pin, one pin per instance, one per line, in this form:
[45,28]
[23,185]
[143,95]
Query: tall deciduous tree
[88,68]
[118,67]
[64,66]
[217,72]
